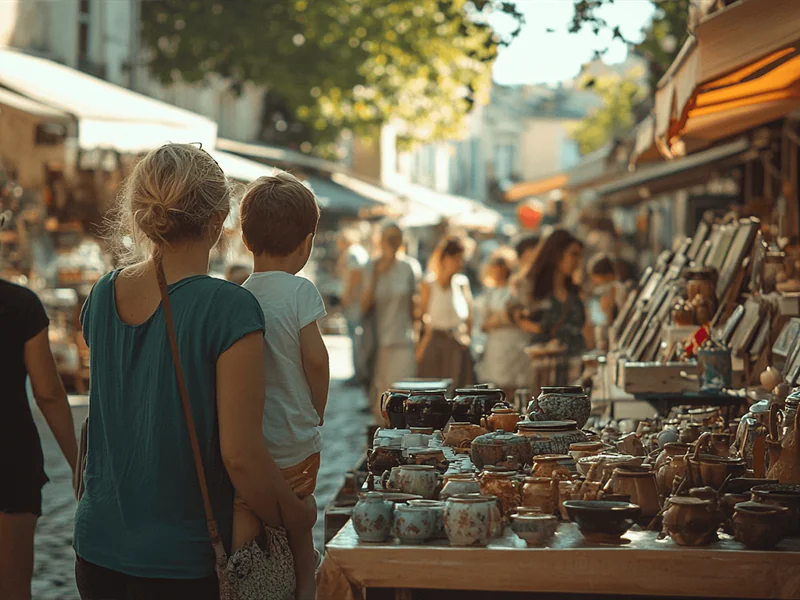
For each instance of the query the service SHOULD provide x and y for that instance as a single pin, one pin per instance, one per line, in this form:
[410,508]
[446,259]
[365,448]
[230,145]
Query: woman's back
[142,512]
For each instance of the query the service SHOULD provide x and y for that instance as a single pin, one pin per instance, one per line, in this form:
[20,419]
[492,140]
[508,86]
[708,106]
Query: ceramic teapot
[784,455]
[502,417]
[470,405]
[494,448]
[709,470]
[751,436]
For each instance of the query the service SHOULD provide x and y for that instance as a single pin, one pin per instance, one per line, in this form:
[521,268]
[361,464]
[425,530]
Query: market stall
[564,505]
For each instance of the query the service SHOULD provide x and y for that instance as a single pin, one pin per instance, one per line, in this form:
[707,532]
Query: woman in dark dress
[548,306]
[25,352]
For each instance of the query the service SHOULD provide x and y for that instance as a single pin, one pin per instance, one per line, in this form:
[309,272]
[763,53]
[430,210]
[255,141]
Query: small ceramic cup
[413,524]
[437,508]
[535,530]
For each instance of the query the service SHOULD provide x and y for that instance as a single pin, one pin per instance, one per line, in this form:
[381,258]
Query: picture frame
[787,338]
[702,254]
[792,368]
[723,247]
[748,327]
[700,236]
[741,245]
[760,250]
[761,339]
[727,331]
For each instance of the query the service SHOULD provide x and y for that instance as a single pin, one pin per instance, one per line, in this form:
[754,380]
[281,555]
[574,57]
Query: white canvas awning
[428,207]
[240,169]
[109,116]
[31,107]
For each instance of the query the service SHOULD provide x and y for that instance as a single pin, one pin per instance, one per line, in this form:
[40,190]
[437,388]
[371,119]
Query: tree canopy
[338,64]
[620,95]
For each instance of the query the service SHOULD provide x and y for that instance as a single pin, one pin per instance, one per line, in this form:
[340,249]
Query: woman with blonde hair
[504,362]
[446,307]
[140,526]
[387,304]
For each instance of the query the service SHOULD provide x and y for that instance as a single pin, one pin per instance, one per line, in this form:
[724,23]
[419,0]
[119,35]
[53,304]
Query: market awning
[240,169]
[738,71]
[427,207]
[286,157]
[337,199]
[31,107]
[109,116]
[537,187]
[676,174]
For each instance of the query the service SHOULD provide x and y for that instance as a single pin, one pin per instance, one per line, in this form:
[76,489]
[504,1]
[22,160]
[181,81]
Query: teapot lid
[478,391]
[759,408]
[548,425]
[499,437]
[503,408]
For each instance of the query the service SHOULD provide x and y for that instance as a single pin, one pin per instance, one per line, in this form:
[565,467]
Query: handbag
[252,572]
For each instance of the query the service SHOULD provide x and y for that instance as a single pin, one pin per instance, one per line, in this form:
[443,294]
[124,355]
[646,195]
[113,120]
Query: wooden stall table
[644,566]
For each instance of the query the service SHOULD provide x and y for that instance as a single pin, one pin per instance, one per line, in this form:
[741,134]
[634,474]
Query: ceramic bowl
[777,494]
[601,521]
[536,530]
[759,526]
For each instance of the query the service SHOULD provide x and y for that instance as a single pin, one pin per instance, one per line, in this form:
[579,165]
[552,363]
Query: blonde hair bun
[172,195]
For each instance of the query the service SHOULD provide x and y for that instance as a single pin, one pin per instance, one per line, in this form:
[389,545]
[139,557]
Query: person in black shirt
[25,352]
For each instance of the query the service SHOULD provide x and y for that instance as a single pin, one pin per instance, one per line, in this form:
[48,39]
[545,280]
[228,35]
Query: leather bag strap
[211,523]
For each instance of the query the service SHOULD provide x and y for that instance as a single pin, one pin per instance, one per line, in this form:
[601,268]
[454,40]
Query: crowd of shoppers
[539,307]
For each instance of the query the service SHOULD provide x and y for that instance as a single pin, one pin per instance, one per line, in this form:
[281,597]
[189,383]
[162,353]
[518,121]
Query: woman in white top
[504,362]
[388,308]
[446,305]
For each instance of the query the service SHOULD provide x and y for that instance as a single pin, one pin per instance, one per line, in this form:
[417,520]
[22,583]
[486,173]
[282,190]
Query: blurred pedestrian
[446,308]
[279,221]
[353,259]
[25,352]
[387,304]
[525,246]
[607,296]
[504,362]
[141,527]
[548,306]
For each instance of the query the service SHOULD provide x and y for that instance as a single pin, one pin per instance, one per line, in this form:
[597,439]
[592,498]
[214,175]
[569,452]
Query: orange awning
[537,187]
[740,70]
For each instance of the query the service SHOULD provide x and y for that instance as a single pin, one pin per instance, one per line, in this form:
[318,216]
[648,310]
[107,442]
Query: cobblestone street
[344,440]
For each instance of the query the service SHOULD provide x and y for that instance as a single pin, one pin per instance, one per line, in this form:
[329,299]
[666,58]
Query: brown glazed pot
[470,405]
[540,493]
[551,437]
[502,417]
[759,526]
[460,435]
[691,521]
[640,483]
[494,448]
[427,409]
[393,403]
[504,486]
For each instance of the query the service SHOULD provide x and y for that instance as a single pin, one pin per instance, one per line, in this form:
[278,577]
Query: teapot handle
[774,409]
[701,441]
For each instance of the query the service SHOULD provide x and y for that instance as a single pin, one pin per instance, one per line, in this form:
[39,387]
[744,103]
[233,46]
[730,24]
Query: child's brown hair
[278,213]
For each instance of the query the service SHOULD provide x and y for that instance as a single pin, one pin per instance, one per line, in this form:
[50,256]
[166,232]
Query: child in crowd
[608,295]
[279,221]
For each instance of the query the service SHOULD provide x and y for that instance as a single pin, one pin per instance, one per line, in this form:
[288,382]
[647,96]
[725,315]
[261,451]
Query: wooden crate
[644,378]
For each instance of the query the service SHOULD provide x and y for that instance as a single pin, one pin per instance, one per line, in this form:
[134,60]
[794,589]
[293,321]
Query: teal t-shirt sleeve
[235,312]
[86,314]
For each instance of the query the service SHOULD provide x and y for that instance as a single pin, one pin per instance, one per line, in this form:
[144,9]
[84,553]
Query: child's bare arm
[316,366]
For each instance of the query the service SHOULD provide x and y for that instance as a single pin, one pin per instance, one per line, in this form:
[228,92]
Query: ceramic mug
[413,524]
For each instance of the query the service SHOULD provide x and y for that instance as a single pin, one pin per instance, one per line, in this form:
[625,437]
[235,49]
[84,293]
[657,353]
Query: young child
[279,221]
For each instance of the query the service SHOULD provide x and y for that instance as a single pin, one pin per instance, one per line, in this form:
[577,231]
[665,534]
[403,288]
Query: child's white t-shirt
[290,422]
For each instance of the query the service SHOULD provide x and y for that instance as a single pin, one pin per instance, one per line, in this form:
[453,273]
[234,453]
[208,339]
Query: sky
[539,56]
